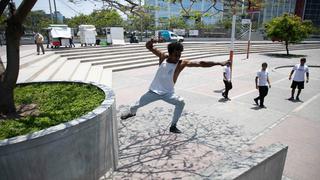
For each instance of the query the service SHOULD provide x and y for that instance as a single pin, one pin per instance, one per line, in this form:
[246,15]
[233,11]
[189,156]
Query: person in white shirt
[298,78]
[39,42]
[262,84]
[227,81]
[162,86]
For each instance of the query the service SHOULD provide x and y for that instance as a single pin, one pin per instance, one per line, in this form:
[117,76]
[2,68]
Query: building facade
[275,8]
[309,10]
[165,10]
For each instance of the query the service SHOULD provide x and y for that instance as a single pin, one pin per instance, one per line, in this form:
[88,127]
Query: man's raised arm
[187,63]
[161,55]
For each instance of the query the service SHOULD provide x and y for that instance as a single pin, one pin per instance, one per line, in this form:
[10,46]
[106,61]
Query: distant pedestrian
[298,79]
[262,84]
[71,42]
[227,81]
[39,42]
[162,86]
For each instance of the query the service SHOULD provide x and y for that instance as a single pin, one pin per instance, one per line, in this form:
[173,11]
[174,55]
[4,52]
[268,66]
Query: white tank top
[163,80]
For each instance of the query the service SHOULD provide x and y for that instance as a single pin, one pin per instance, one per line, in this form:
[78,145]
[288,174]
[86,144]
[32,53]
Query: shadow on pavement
[148,151]
[276,55]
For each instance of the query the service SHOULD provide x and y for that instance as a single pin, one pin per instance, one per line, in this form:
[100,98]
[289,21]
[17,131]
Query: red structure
[299,10]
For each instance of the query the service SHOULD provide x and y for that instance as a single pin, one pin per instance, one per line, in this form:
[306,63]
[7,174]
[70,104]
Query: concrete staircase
[97,63]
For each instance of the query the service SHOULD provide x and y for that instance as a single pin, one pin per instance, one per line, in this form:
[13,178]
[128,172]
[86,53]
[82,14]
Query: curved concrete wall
[85,148]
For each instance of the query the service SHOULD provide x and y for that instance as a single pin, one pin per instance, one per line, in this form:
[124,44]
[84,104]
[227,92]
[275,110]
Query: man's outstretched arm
[161,55]
[187,63]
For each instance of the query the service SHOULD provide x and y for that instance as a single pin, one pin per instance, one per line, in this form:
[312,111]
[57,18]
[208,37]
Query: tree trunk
[7,83]
[287,48]
[14,32]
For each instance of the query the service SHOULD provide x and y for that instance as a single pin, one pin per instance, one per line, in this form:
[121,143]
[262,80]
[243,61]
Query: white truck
[115,35]
[87,34]
[60,35]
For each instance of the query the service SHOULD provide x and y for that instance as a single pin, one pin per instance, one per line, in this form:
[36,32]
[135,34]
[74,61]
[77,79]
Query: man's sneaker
[227,98]
[256,101]
[126,116]
[291,99]
[297,99]
[262,106]
[174,129]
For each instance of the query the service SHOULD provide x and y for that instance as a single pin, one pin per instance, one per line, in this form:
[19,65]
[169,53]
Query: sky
[66,8]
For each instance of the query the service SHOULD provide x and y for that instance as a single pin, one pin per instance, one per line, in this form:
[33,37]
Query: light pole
[233,32]
[50,11]
[55,11]
[141,28]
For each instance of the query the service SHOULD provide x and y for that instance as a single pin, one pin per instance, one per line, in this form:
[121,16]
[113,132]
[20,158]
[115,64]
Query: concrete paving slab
[302,137]
[202,98]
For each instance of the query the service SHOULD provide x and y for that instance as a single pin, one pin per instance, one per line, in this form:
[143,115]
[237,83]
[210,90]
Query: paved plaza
[215,132]
[217,135]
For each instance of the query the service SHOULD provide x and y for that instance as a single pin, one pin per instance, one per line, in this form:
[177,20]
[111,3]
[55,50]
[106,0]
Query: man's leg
[225,88]
[264,92]
[179,105]
[298,94]
[38,49]
[256,100]
[145,99]
[42,48]
[228,87]
[292,93]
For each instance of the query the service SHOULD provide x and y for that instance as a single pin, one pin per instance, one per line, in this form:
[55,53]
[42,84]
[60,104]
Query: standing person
[71,42]
[262,83]
[162,86]
[227,81]
[39,41]
[298,78]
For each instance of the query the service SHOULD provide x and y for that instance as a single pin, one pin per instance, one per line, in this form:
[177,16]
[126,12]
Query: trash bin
[98,42]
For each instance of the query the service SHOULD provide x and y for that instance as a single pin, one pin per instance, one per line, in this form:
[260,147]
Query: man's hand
[225,63]
[257,87]
[149,44]
[269,85]
[307,80]
[289,77]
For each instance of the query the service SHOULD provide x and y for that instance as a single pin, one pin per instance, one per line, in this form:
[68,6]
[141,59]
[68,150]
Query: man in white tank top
[162,86]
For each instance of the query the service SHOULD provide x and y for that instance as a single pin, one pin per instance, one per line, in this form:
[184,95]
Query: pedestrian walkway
[215,131]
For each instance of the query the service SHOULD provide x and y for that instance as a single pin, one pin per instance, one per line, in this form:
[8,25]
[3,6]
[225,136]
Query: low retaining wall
[85,148]
[267,164]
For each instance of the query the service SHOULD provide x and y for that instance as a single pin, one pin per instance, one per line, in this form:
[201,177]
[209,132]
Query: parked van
[169,36]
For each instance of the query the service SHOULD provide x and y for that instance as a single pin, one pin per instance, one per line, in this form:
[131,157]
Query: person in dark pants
[262,84]
[298,79]
[39,42]
[227,81]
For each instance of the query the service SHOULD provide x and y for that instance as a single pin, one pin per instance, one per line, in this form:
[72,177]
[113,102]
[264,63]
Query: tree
[14,31]
[78,20]
[288,28]
[37,20]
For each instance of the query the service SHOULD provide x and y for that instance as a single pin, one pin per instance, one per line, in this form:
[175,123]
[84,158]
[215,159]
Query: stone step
[133,66]
[34,69]
[66,71]
[51,70]
[95,74]
[81,72]
[75,50]
[108,54]
[128,60]
[106,77]
[29,60]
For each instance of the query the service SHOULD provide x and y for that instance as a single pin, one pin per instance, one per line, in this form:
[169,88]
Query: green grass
[57,103]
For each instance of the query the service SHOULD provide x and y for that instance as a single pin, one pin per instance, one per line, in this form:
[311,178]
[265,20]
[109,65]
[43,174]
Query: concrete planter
[85,148]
